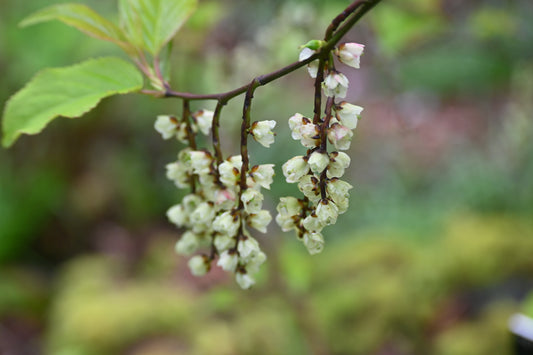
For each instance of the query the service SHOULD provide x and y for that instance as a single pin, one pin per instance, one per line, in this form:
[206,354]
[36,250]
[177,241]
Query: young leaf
[68,92]
[84,19]
[150,24]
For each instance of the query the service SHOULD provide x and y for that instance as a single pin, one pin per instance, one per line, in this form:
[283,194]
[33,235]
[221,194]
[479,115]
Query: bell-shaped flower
[200,162]
[308,185]
[252,200]
[312,67]
[224,199]
[314,242]
[204,120]
[223,242]
[311,223]
[203,214]
[262,132]
[327,212]
[340,136]
[244,280]
[248,248]
[318,162]
[289,209]
[230,171]
[226,223]
[295,123]
[252,266]
[338,192]
[310,135]
[177,215]
[166,126]
[348,114]
[228,260]
[187,244]
[335,84]
[263,175]
[350,53]
[339,161]
[295,168]
[199,265]
[178,173]
[260,220]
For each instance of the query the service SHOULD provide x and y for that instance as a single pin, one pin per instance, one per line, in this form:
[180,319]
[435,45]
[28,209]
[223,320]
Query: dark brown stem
[341,18]
[215,135]
[318,90]
[186,114]
[324,143]
[245,127]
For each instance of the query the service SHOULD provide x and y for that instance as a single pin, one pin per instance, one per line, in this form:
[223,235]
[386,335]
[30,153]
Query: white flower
[223,242]
[308,185]
[204,120]
[230,171]
[318,162]
[253,200]
[252,266]
[187,244]
[228,260]
[262,132]
[244,280]
[314,242]
[305,53]
[310,134]
[226,223]
[312,67]
[260,220]
[248,248]
[295,168]
[327,212]
[335,84]
[200,162]
[190,202]
[177,215]
[181,133]
[198,265]
[312,223]
[263,175]
[295,123]
[203,214]
[166,126]
[348,114]
[340,136]
[338,163]
[288,209]
[350,53]
[177,172]
[338,192]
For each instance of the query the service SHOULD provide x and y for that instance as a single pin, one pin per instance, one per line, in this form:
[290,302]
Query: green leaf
[150,24]
[68,92]
[84,19]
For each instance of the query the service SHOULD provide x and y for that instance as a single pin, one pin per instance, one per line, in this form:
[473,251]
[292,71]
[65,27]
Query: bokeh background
[433,256]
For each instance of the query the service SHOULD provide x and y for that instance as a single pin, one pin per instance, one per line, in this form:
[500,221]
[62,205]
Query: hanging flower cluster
[221,207]
[318,172]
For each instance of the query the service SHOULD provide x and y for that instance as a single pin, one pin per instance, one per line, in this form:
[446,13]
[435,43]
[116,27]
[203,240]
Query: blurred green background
[433,256]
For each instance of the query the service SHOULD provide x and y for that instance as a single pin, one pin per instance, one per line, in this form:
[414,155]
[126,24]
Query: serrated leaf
[82,18]
[150,24]
[69,92]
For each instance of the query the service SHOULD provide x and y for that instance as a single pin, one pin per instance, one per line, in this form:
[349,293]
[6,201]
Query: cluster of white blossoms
[220,207]
[318,172]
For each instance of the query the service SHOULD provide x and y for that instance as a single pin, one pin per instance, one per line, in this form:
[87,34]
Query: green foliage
[151,24]
[84,19]
[68,92]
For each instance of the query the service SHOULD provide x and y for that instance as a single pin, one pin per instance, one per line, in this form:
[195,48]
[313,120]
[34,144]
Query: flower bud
[223,242]
[248,248]
[199,265]
[295,168]
[252,266]
[260,220]
[338,192]
[288,209]
[340,136]
[228,260]
[327,212]
[312,224]
[177,215]
[200,162]
[204,120]
[177,172]
[262,132]
[318,162]
[350,53]
[314,242]
[335,84]
[203,214]
[230,171]
[338,163]
[166,126]
[348,114]
[187,244]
